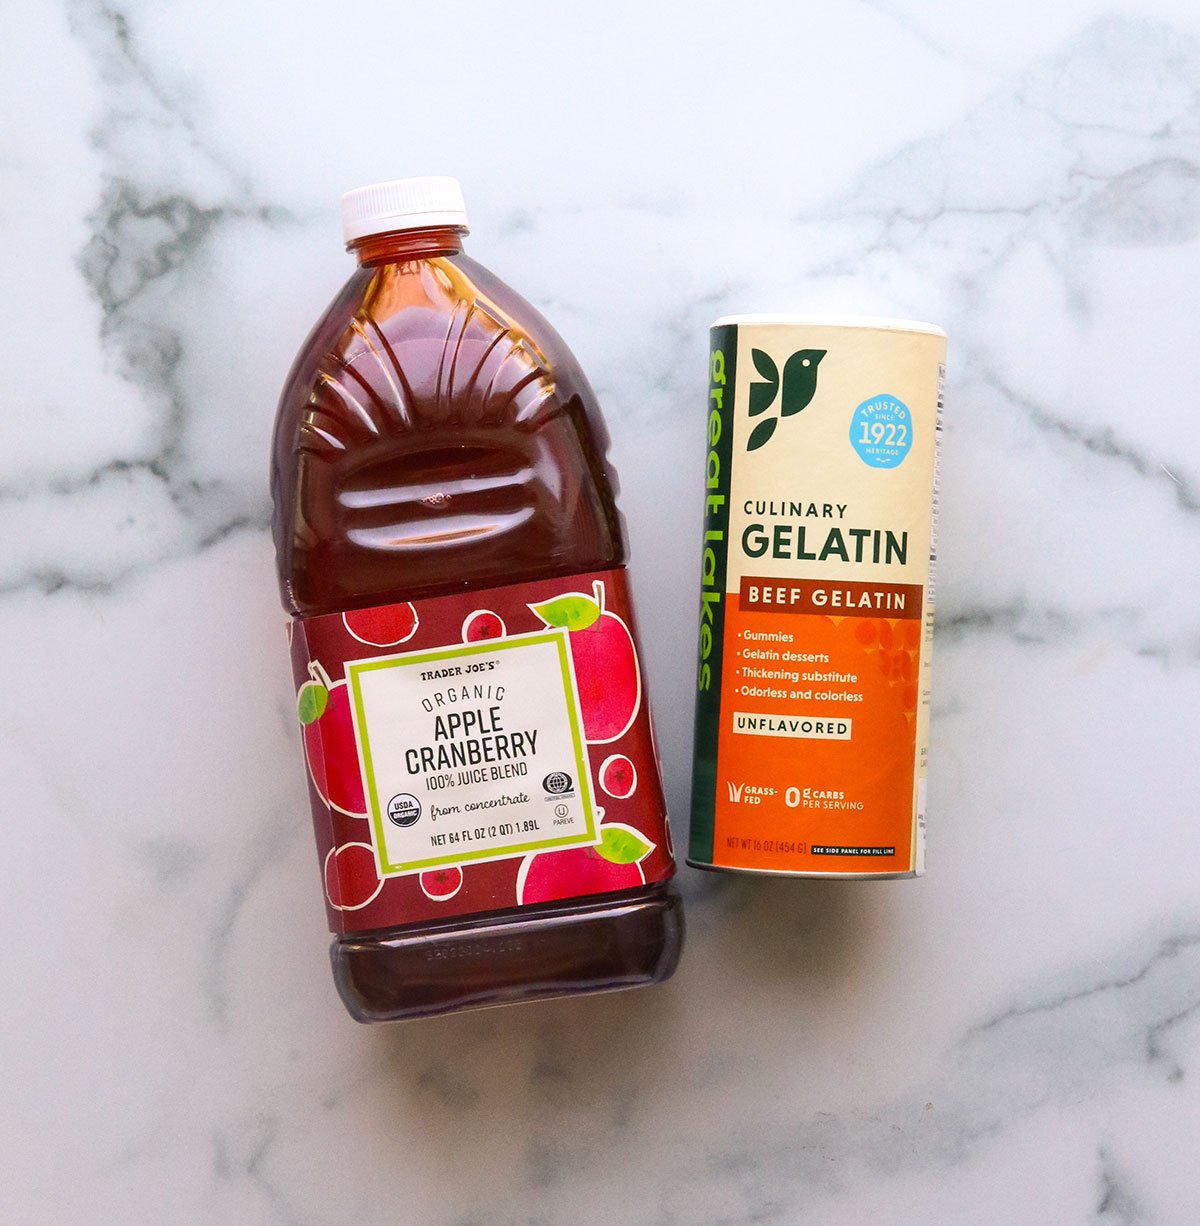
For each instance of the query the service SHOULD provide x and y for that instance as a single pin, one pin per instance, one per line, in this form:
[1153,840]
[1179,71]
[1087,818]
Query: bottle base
[598,944]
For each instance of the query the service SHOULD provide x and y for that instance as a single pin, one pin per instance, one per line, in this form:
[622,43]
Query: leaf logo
[798,384]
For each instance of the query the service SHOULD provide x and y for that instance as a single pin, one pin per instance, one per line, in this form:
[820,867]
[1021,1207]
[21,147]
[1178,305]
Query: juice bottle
[485,788]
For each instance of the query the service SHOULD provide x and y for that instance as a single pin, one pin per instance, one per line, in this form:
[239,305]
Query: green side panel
[722,372]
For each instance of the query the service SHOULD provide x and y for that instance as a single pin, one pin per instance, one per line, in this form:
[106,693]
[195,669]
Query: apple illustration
[482,625]
[612,864]
[329,745]
[386,626]
[351,877]
[617,776]
[605,661]
[441,884]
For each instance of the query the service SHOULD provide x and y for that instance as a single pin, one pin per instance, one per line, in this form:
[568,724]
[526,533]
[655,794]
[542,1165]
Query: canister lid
[879,323]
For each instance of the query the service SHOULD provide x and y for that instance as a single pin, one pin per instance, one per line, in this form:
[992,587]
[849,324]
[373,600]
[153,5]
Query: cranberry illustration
[612,864]
[617,776]
[329,745]
[383,627]
[607,675]
[351,877]
[572,873]
[441,884]
[482,625]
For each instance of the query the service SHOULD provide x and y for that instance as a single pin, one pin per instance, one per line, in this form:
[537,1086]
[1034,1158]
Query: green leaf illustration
[573,611]
[762,395]
[764,363]
[622,845]
[761,433]
[311,702]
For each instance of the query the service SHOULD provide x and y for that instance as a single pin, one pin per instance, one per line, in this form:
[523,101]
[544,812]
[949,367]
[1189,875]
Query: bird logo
[799,385]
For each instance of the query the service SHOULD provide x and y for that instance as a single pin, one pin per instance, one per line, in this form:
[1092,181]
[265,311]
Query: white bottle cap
[403,204]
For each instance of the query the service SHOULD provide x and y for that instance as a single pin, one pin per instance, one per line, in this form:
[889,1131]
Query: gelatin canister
[816,602]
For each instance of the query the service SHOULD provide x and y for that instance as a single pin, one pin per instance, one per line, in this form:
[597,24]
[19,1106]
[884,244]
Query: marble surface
[1014,1038]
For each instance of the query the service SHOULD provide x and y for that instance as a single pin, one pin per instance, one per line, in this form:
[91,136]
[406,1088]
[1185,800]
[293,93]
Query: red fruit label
[479,752]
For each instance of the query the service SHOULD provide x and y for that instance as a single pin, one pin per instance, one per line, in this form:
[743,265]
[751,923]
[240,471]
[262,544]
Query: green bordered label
[472,752]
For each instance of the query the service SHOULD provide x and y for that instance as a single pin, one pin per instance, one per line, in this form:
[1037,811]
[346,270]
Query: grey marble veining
[1014,1038]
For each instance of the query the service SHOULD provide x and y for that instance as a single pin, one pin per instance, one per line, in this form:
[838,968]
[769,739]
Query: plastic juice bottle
[485,788]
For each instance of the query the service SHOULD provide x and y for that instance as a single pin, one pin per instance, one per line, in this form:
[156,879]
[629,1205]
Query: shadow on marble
[778,931]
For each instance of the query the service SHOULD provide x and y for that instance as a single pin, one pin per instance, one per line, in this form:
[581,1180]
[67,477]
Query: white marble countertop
[1014,1038]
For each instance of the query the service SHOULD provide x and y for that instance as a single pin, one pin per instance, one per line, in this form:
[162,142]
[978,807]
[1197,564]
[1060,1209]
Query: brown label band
[763,594]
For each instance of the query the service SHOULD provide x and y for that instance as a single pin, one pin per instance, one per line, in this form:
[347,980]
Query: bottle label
[478,752]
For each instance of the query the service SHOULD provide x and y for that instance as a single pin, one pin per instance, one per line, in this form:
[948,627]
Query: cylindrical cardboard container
[816,603]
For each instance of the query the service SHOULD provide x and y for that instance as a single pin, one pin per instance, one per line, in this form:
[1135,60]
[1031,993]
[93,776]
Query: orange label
[817,738]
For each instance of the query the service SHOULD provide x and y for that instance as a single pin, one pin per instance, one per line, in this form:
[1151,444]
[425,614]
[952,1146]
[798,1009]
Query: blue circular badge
[881,431]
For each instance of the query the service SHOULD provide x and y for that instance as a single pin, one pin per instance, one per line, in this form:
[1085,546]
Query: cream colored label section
[845,477]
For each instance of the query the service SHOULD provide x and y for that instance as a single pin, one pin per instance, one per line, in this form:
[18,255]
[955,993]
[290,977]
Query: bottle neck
[401,245]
